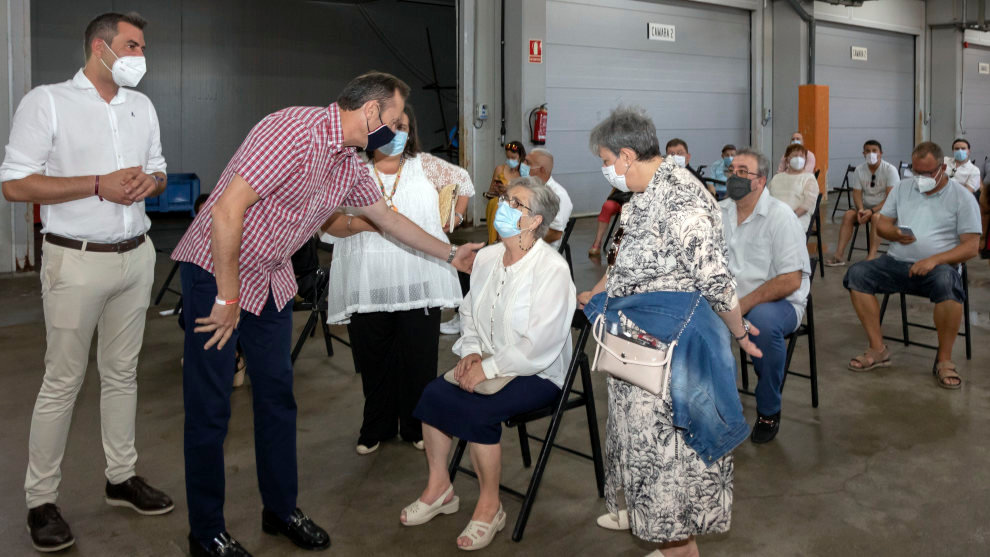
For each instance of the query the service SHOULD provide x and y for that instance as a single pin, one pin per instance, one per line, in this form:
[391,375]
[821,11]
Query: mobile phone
[906,230]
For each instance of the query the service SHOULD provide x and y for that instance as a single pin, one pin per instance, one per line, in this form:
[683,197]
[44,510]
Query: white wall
[16,219]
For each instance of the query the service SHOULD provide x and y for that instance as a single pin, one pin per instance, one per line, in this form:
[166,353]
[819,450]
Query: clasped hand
[469,372]
[127,186]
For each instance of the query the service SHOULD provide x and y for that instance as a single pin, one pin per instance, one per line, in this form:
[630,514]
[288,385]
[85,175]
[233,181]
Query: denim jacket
[706,404]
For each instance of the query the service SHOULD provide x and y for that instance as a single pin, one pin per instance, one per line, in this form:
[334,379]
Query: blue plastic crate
[180,195]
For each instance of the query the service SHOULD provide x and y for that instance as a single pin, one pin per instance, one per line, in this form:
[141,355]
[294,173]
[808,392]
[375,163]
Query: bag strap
[688,320]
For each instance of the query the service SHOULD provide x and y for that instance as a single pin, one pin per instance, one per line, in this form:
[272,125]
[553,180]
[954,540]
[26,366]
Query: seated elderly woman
[795,187]
[515,323]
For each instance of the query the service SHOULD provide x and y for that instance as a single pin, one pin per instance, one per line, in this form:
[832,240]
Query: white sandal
[611,521]
[420,513]
[488,531]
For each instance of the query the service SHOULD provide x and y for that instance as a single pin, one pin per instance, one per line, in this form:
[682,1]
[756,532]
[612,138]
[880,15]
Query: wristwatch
[453,252]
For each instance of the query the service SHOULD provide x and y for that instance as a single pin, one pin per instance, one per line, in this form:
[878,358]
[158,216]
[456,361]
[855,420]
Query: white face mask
[127,71]
[680,161]
[796,141]
[797,163]
[925,184]
[616,181]
[872,158]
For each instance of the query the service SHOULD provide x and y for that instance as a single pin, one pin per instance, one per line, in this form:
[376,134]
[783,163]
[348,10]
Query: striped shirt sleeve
[273,152]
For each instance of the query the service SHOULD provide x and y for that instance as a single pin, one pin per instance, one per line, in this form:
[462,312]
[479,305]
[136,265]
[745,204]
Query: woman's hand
[465,364]
[583,298]
[473,375]
[747,345]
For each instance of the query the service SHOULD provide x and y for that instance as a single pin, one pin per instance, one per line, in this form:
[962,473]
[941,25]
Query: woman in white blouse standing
[795,187]
[515,322]
[391,295]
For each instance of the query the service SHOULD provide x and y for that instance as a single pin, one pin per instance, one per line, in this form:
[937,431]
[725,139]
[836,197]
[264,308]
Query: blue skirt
[478,418]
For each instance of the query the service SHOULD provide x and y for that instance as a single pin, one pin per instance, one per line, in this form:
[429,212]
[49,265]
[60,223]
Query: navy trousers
[207,382]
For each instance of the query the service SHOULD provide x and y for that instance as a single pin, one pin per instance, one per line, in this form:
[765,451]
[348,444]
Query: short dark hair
[412,144]
[372,86]
[675,142]
[728,147]
[963,139]
[873,142]
[928,148]
[516,147]
[793,148]
[105,27]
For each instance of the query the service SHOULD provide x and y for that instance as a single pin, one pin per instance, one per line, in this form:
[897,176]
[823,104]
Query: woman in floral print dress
[671,240]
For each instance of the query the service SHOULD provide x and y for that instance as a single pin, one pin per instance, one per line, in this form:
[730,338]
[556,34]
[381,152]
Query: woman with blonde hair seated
[516,327]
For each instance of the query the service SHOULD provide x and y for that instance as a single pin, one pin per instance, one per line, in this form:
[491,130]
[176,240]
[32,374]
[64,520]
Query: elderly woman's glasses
[513,202]
[614,250]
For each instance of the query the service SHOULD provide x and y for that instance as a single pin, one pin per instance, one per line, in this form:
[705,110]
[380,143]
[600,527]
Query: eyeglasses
[614,250]
[930,174]
[741,172]
[513,202]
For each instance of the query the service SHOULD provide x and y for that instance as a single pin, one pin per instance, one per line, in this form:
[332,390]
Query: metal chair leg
[744,369]
[524,446]
[812,357]
[322,316]
[168,281]
[589,406]
[310,325]
[455,460]
[852,244]
[966,325]
[904,319]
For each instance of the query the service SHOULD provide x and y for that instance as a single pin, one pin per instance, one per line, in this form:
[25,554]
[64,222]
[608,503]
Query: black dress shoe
[221,546]
[300,529]
[765,428]
[138,495]
[49,531]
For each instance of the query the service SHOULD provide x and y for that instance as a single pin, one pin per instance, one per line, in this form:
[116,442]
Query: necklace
[381,185]
[530,246]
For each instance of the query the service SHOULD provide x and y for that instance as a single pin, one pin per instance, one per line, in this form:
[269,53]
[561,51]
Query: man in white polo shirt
[872,181]
[540,163]
[88,150]
[933,224]
[769,258]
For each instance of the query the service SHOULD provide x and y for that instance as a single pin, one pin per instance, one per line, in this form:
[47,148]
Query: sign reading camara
[660,32]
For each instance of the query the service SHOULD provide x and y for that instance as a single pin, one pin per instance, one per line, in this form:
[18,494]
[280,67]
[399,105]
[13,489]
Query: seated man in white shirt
[960,168]
[717,169]
[933,224]
[809,163]
[769,258]
[871,182]
[540,163]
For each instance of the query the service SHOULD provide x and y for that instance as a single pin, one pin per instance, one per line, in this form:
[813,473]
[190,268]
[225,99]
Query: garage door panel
[976,102]
[867,100]
[598,57]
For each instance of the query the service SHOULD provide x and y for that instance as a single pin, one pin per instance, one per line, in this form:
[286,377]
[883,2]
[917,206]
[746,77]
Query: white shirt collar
[80,81]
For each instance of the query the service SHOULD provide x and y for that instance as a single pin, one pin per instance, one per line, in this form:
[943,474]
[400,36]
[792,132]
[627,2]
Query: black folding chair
[906,339]
[846,189]
[869,240]
[316,305]
[565,246]
[903,169]
[570,399]
[611,230]
[805,329]
[815,229]
[716,182]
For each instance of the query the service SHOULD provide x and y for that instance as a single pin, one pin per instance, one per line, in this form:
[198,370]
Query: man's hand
[583,298]
[863,216]
[470,378]
[903,238]
[923,267]
[115,187]
[141,187]
[221,322]
[464,258]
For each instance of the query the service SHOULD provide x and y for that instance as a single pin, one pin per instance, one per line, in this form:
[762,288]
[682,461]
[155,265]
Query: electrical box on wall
[481,112]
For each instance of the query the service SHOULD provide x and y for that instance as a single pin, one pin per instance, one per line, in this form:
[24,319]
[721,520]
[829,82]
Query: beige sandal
[944,371]
[420,513]
[871,359]
[611,521]
[480,533]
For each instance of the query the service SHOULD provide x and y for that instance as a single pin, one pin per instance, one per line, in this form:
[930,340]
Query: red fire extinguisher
[538,125]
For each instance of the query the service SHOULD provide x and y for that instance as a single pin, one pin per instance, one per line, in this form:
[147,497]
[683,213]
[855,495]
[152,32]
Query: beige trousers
[82,292]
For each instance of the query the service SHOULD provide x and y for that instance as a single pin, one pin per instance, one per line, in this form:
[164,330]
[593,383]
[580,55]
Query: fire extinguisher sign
[536,51]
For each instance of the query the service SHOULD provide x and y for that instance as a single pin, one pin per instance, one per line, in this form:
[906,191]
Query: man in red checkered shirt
[294,169]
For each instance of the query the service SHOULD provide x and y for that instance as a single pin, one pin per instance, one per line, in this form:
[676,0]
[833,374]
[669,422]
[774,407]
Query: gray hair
[762,163]
[627,127]
[542,201]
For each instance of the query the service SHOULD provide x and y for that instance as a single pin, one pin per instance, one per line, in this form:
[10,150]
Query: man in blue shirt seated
[933,224]
[769,258]
[717,168]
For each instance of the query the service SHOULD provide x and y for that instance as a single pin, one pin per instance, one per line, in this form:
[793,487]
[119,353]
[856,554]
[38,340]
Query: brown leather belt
[119,247]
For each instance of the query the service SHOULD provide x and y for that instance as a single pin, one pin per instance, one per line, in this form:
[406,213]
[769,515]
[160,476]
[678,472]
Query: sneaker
[363,449]
[452,327]
[49,531]
[765,428]
[419,445]
[136,494]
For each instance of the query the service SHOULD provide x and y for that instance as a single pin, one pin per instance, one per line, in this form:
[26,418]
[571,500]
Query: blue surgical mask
[960,154]
[524,170]
[726,161]
[512,163]
[507,220]
[396,146]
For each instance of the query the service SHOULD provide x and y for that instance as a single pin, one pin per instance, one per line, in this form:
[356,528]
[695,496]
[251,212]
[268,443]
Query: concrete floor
[889,464]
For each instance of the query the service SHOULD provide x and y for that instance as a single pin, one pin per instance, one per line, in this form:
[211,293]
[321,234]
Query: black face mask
[738,187]
[380,137]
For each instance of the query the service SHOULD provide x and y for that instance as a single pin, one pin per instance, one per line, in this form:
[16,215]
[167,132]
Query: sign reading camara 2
[859,53]
[660,32]
[984,68]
